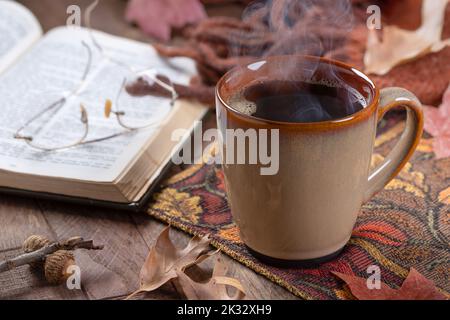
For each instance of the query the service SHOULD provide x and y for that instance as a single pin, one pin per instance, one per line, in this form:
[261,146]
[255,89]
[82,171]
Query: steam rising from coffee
[312,27]
[299,27]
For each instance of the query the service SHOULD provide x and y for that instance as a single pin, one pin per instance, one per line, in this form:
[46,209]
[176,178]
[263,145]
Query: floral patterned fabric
[406,225]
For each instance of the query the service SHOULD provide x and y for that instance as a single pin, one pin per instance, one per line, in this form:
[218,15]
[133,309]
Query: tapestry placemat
[406,225]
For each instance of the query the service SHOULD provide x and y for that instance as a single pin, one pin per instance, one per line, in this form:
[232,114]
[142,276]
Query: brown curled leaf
[215,289]
[399,45]
[165,260]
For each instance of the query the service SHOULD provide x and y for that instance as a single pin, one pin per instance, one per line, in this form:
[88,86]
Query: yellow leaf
[400,45]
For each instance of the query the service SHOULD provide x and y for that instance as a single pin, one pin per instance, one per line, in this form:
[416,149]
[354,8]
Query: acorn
[33,243]
[56,266]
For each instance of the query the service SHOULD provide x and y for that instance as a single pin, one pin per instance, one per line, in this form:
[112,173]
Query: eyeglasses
[132,112]
[122,102]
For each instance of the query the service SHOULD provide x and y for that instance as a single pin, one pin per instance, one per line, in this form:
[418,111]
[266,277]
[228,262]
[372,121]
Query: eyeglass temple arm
[84,120]
[18,134]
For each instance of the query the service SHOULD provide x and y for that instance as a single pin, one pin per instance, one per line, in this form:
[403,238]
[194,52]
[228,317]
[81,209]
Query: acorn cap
[56,265]
[33,243]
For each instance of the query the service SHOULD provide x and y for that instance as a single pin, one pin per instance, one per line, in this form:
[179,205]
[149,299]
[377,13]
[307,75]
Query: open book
[35,68]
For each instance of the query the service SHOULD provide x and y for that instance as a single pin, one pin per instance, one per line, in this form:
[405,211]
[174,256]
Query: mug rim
[353,118]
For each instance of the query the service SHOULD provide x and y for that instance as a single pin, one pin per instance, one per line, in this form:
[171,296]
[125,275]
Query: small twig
[40,254]
[79,243]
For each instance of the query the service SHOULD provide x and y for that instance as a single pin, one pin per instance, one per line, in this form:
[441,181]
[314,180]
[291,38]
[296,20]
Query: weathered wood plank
[20,218]
[24,284]
[113,271]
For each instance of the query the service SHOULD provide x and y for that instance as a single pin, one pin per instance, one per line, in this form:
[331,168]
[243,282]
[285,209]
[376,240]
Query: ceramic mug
[304,214]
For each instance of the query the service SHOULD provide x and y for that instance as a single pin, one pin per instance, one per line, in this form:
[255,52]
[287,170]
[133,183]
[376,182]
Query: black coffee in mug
[298,101]
[303,213]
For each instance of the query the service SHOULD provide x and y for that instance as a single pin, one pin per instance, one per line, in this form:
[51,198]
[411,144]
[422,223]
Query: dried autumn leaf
[437,123]
[400,45]
[158,17]
[165,260]
[359,289]
[415,287]
[215,288]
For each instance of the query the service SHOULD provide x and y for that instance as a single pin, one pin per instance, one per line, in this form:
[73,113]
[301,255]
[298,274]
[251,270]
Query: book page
[54,67]
[19,29]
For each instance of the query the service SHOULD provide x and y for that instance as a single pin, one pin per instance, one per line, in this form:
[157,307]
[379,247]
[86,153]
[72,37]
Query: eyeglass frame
[149,75]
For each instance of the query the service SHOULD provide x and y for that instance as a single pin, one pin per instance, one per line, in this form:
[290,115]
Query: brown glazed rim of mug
[352,119]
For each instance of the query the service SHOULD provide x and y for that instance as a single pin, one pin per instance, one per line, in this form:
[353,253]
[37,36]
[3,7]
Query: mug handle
[403,150]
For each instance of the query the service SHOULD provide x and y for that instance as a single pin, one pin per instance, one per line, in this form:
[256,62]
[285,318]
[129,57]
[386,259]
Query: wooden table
[113,272]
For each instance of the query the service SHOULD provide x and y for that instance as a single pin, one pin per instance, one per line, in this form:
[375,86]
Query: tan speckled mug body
[308,209]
